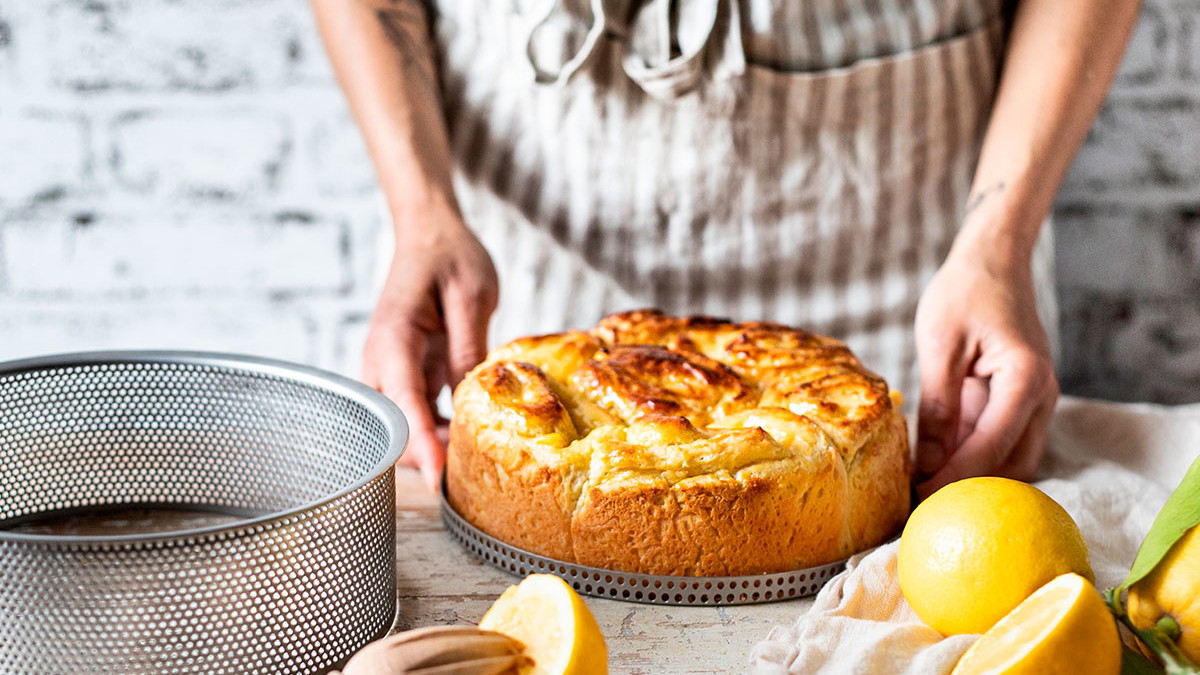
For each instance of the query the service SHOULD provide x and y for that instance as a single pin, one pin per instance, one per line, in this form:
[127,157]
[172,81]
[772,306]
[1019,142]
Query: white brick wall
[1128,224]
[184,173]
[217,254]
[179,174]
[42,153]
[218,154]
[46,325]
[153,45]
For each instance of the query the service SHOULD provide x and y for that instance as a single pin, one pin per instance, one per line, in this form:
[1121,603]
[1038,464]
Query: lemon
[975,549]
[558,630]
[1172,588]
[1063,628]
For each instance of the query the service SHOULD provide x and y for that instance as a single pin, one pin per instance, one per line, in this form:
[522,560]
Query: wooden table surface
[440,583]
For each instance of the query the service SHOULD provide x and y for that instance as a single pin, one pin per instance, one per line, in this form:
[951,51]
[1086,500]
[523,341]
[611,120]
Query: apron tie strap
[564,38]
[670,51]
[671,45]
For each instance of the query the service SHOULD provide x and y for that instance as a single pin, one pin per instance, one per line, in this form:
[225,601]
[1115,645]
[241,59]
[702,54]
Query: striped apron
[806,162]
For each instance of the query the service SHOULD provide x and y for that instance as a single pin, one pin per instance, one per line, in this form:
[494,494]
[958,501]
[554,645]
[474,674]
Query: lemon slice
[558,630]
[1063,627]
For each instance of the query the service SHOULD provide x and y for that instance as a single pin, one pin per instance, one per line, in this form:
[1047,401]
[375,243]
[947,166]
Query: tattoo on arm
[981,196]
[405,23]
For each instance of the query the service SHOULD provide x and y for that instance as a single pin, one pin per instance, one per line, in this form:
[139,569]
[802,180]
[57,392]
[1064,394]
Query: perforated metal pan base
[644,588]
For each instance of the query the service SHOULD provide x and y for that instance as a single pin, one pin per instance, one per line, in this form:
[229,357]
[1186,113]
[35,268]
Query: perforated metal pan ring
[651,589]
[303,577]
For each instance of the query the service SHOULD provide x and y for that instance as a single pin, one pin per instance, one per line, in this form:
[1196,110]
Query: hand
[430,325]
[987,382]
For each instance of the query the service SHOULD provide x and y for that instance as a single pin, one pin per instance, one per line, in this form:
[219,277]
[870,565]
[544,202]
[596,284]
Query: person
[875,170]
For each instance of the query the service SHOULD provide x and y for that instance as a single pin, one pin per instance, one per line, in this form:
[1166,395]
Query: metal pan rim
[390,415]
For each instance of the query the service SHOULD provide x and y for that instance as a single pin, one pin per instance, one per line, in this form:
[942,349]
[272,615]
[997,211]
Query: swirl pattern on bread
[679,446]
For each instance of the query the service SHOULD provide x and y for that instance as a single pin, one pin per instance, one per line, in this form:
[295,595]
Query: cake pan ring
[301,578]
[651,589]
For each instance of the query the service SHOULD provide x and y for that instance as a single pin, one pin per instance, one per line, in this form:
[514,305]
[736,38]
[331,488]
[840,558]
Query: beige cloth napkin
[1110,465]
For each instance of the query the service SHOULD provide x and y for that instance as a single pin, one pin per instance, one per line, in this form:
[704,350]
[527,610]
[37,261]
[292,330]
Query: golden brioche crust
[682,446]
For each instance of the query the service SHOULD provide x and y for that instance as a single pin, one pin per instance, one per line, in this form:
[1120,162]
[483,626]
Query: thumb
[403,381]
[942,371]
[425,450]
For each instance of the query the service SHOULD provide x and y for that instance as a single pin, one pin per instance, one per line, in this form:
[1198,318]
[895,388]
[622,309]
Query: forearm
[1060,61]
[382,53]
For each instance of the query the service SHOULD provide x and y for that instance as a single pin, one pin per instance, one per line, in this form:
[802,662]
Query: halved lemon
[558,630]
[1064,628]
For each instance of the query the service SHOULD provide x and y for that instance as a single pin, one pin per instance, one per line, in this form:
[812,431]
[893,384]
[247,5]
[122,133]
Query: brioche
[679,446]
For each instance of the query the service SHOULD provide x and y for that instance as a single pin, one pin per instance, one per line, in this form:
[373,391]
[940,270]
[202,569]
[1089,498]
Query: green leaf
[1133,663]
[1180,514]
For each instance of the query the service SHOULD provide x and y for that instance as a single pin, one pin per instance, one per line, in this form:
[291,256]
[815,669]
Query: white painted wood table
[440,583]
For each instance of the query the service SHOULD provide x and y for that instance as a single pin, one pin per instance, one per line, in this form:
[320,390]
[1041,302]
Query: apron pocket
[868,86]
